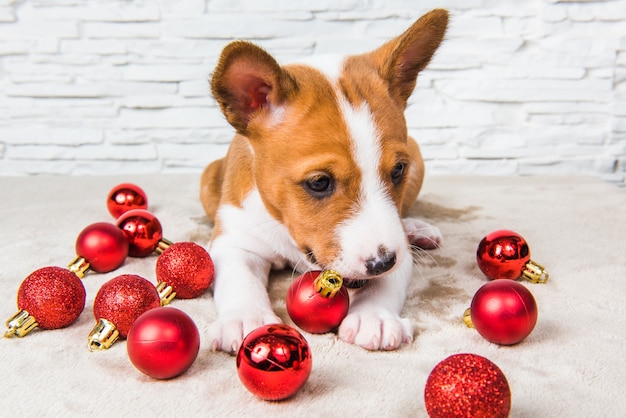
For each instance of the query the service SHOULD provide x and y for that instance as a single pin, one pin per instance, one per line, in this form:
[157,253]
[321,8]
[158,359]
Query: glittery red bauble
[143,231]
[503,254]
[467,385]
[125,197]
[103,245]
[187,267]
[163,342]
[54,296]
[122,299]
[274,362]
[311,311]
[504,312]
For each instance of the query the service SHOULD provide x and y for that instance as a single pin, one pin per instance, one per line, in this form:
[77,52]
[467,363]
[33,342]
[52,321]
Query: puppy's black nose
[383,262]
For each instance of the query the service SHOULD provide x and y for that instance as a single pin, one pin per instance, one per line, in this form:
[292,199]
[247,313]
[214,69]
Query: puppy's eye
[319,186]
[397,173]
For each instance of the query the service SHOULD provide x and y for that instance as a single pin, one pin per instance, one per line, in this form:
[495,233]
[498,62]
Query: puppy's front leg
[373,321]
[240,295]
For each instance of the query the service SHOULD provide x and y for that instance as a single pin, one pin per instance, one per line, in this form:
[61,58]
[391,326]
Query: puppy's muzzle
[381,263]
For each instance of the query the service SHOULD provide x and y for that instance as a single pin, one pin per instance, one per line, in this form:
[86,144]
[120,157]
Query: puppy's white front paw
[229,330]
[376,331]
[422,234]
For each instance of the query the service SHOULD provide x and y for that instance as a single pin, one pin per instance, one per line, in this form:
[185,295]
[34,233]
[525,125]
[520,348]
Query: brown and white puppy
[319,175]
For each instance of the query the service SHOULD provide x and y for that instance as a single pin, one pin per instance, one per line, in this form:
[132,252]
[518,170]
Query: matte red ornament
[503,312]
[49,298]
[274,362]
[184,270]
[505,254]
[467,385]
[163,342]
[143,232]
[101,247]
[117,305]
[317,302]
[125,197]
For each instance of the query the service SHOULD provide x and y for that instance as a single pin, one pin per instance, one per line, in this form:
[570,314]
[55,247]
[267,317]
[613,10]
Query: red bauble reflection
[467,385]
[187,268]
[274,362]
[503,254]
[103,245]
[143,231]
[163,342]
[125,197]
[54,296]
[313,311]
[503,312]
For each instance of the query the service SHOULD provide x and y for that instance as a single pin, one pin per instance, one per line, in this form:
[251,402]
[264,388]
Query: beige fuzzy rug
[572,365]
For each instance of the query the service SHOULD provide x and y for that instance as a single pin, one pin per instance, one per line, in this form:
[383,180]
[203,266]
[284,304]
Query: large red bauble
[143,231]
[503,254]
[122,299]
[125,197]
[103,245]
[163,342]
[274,362]
[187,267]
[467,385]
[503,312]
[312,311]
[54,296]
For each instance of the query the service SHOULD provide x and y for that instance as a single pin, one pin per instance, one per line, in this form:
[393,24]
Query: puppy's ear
[247,82]
[401,59]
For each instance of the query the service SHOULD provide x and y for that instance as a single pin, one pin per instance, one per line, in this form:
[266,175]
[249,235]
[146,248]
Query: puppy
[319,176]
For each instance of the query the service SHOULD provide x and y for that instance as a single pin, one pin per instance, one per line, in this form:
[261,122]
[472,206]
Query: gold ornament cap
[535,273]
[467,318]
[20,324]
[102,336]
[328,283]
[79,266]
[163,245]
[166,293]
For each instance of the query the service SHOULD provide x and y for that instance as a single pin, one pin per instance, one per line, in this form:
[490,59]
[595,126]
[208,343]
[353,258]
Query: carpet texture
[572,365]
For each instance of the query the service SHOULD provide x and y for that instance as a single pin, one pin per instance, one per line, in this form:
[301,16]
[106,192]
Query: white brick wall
[120,86]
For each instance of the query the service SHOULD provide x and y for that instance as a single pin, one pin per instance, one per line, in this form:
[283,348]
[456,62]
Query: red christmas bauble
[274,362]
[187,267]
[503,312]
[143,231]
[163,342]
[125,197]
[54,296]
[122,299]
[467,385]
[317,308]
[103,245]
[503,254]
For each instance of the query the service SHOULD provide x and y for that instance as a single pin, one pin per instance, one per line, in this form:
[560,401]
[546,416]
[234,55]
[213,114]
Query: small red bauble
[101,247]
[503,312]
[467,385]
[186,268]
[125,197]
[143,231]
[51,298]
[274,362]
[163,342]
[504,254]
[118,303]
[317,302]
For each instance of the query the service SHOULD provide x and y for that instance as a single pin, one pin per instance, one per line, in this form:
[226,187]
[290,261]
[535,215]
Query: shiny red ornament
[505,254]
[49,298]
[163,342]
[117,305]
[467,385]
[503,312]
[317,302]
[101,247]
[125,197]
[184,270]
[143,232]
[274,362]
